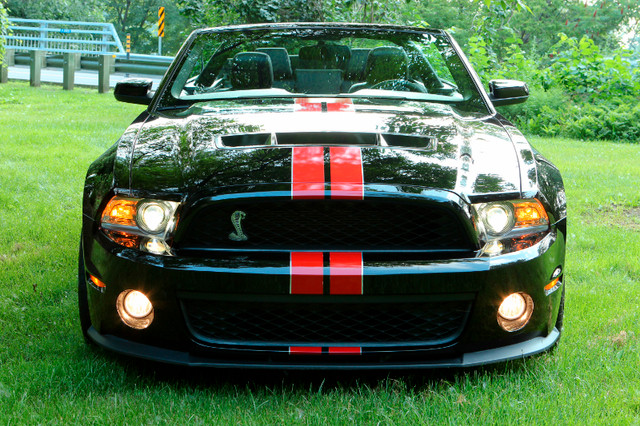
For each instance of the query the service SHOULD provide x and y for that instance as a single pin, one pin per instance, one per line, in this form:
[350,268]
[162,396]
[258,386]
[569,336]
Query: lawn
[48,137]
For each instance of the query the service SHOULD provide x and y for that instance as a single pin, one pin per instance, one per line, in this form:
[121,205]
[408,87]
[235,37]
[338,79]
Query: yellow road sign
[161,22]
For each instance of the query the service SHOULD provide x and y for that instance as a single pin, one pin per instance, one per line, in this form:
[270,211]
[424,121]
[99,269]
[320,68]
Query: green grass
[48,137]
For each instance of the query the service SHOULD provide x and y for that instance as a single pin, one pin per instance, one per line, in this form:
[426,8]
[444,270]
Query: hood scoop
[251,140]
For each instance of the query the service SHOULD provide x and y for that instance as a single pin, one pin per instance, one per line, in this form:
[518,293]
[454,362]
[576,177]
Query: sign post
[160,29]
[128,50]
[128,45]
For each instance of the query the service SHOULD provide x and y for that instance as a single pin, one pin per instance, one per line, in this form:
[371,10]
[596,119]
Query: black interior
[323,69]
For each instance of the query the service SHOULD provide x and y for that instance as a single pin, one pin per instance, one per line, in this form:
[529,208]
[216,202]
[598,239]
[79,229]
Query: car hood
[196,150]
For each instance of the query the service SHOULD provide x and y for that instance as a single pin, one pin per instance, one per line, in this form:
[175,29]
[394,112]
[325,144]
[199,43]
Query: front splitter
[471,359]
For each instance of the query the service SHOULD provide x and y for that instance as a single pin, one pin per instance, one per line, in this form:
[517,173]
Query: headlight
[144,224]
[508,226]
[153,216]
[498,218]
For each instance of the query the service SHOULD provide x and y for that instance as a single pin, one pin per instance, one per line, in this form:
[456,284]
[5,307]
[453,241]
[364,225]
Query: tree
[601,20]
[136,17]
[4,29]
[62,10]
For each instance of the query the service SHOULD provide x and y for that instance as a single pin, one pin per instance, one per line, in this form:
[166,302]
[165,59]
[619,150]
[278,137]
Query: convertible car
[322,196]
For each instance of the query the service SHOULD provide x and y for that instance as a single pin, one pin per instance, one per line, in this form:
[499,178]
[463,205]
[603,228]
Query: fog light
[512,307]
[134,309]
[515,311]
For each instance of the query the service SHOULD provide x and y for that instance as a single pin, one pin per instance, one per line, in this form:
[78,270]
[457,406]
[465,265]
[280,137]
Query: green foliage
[139,18]
[617,122]
[575,92]
[4,30]
[225,12]
[580,68]
[63,10]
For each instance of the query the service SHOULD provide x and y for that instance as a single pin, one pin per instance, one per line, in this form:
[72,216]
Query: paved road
[82,77]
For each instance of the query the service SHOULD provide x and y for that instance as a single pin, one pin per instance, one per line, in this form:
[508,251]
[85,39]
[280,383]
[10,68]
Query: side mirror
[508,92]
[134,91]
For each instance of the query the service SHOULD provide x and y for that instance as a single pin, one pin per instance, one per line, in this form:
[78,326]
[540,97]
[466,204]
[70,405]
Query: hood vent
[329,139]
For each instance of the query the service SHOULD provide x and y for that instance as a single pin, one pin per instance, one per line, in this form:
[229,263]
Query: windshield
[364,65]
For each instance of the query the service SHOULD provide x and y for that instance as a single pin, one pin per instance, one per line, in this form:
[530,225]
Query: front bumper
[167,281]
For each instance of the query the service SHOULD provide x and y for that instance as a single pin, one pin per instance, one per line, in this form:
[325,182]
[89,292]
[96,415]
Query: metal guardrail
[136,64]
[63,36]
[160,60]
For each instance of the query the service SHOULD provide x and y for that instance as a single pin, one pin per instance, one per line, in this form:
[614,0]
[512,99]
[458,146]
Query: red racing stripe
[345,271]
[329,104]
[306,273]
[346,173]
[294,350]
[307,172]
[340,350]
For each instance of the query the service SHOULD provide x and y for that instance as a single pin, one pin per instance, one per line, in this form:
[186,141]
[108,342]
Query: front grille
[425,323]
[327,225]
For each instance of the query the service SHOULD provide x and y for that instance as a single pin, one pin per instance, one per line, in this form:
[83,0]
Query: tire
[83,301]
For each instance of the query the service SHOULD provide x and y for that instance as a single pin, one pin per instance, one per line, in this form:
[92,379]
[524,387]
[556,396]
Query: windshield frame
[165,86]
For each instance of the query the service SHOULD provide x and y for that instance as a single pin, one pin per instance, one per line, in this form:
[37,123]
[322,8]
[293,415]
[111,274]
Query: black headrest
[386,63]
[251,70]
[312,57]
[338,56]
[279,61]
[324,56]
[357,64]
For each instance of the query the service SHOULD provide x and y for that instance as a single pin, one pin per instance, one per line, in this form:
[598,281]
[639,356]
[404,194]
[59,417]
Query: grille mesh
[362,323]
[327,225]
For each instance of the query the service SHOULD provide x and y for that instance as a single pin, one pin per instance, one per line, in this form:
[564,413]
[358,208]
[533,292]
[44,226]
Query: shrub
[576,92]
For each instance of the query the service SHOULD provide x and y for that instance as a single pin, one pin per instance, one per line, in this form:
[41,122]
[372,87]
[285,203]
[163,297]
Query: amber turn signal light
[120,211]
[530,213]
[97,282]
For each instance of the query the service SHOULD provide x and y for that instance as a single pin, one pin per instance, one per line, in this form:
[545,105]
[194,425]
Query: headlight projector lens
[152,216]
[498,218]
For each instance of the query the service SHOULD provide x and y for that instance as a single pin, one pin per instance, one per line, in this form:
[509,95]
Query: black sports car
[322,196]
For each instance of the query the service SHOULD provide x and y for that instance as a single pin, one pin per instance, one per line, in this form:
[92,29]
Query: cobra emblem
[236,220]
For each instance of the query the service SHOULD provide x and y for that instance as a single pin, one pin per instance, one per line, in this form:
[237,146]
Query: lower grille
[425,323]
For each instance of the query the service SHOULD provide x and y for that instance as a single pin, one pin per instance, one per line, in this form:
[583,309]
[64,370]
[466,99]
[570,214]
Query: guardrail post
[104,71]
[68,70]
[35,67]
[10,57]
[7,61]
